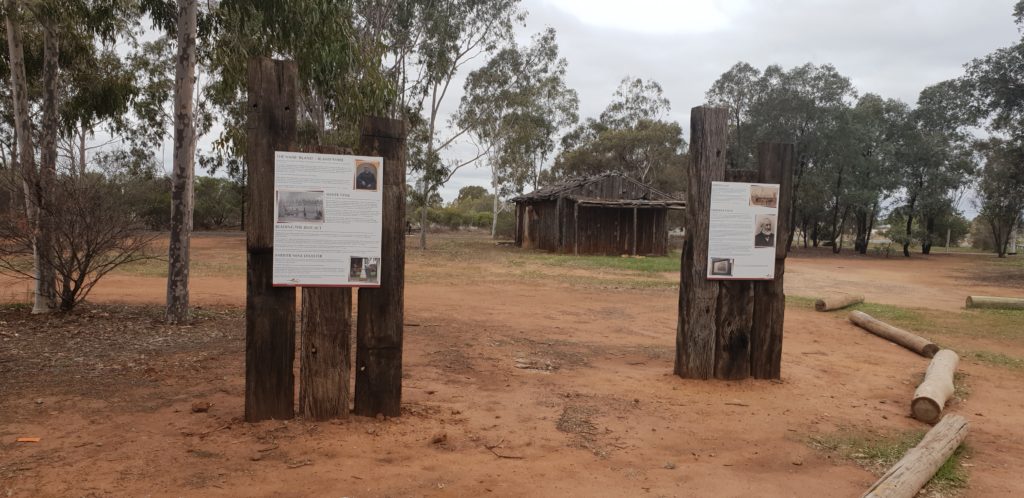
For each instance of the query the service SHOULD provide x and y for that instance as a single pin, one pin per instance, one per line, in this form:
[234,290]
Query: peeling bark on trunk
[32,183]
[184,165]
[46,295]
[494,210]
[423,215]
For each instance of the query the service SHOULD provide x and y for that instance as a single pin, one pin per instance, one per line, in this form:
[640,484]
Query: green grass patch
[800,302]
[878,453]
[654,264]
[997,359]
[895,315]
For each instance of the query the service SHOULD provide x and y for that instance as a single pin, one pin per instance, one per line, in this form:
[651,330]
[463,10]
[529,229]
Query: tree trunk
[910,226]
[929,227]
[871,225]
[184,165]
[494,210]
[423,215]
[46,278]
[81,153]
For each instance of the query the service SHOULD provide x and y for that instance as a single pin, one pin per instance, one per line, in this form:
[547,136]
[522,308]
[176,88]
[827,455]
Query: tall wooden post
[269,311]
[380,322]
[729,329]
[775,164]
[698,296]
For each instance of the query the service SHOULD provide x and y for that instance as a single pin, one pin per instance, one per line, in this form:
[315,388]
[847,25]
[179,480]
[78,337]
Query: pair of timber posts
[326,318]
[726,329]
[729,329]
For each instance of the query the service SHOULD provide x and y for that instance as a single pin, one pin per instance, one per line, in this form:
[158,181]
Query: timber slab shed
[609,214]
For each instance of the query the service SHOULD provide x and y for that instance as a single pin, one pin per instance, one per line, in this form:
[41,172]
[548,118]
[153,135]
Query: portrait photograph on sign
[764,231]
[366,175]
[741,231]
[328,212]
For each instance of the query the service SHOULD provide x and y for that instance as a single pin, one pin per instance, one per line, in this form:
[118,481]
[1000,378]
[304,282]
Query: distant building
[608,214]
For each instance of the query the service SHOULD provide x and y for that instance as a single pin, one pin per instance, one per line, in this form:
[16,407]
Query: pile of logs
[917,467]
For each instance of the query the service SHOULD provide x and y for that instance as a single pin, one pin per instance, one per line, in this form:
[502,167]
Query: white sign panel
[742,226]
[328,210]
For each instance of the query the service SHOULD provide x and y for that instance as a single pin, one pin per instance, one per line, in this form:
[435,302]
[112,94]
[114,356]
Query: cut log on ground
[915,343]
[999,303]
[936,389]
[837,302]
[918,466]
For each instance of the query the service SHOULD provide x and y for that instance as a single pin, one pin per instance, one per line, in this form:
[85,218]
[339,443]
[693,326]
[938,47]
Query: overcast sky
[893,48]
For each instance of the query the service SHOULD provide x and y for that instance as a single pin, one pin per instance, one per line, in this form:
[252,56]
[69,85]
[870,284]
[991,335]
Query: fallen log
[999,303]
[936,389]
[915,343]
[918,466]
[836,302]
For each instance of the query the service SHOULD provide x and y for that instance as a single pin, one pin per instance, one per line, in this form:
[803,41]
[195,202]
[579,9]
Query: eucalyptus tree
[64,38]
[736,90]
[802,105]
[513,106]
[631,135]
[423,46]
[1000,192]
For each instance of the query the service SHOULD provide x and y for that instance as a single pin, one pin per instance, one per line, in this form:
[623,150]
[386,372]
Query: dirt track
[597,413]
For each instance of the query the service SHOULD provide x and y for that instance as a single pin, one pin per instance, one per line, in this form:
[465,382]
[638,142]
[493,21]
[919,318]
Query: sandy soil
[600,414]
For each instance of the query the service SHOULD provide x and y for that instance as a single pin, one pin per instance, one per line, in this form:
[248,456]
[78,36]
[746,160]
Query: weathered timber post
[269,311]
[325,345]
[325,351]
[380,322]
[730,329]
[698,296]
[775,163]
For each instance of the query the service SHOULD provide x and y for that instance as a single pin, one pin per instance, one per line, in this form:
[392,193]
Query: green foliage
[218,203]
[1001,190]
[514,105]
[339,78]
[630,136]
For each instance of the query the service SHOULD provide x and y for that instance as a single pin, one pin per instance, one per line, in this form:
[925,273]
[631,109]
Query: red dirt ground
[602,415]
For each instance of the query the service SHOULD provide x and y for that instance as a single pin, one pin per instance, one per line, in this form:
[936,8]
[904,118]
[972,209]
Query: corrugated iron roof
[554,191]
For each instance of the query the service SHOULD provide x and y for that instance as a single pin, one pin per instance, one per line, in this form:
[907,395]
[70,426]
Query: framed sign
[741,231]
[327,220]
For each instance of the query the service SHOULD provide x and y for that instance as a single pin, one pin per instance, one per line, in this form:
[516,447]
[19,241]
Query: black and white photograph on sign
[764,196]
[366,176]
[305,206]
[764,230]
[363,269]
[722,267]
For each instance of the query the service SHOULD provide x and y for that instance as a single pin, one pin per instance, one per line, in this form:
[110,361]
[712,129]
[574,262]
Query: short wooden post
[698,296]
[379,325]
[775,162]
[325,342]
[324,353]
[269,311]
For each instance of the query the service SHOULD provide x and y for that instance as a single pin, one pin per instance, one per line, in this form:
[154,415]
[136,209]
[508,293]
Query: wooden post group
[729,329]
[327,312]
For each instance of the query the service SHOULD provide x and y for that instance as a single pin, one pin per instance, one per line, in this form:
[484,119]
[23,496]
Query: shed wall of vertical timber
[610,231]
